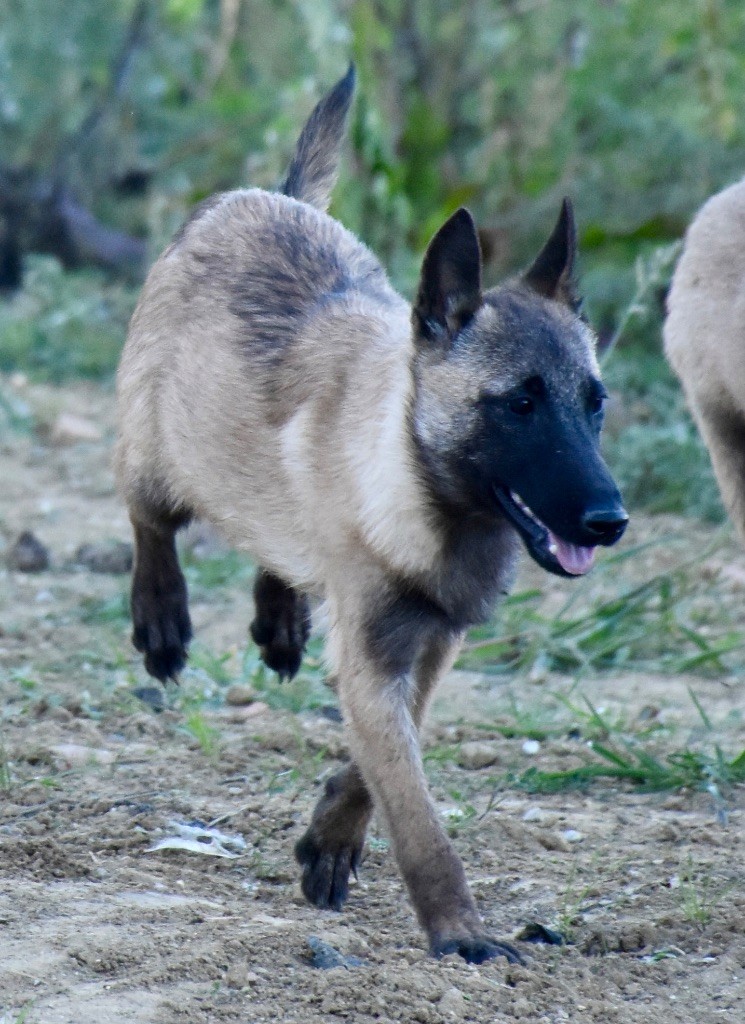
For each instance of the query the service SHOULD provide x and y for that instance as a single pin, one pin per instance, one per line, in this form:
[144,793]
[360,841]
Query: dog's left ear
[552,273]
[450,283]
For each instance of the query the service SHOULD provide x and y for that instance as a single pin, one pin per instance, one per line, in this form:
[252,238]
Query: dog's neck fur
[460,562]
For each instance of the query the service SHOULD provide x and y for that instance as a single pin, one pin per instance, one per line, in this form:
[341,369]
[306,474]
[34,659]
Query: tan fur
[288,494]
[705,337]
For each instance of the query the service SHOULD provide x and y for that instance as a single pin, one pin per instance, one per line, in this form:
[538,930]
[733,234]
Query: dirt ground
[94,926]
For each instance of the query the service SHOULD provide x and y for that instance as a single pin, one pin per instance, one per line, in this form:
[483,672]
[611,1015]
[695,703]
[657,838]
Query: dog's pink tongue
[573,558]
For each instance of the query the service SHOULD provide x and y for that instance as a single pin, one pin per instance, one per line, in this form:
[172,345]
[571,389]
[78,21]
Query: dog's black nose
[605,525]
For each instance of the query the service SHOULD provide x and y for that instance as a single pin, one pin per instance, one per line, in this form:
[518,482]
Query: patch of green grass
[205,734]
[461,816]
[628,761]
[215,666]
[665,467]
[698,894]
[573,903]
[638,754]
[208,674]
[24,680]
[306,692]
[63,325]
[5,773]
[20,1018]
[15,414]
[216,570]
[99,611]
[657,625]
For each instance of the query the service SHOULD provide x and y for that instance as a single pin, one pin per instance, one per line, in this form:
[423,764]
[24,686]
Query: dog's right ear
[552,272]
[450,283]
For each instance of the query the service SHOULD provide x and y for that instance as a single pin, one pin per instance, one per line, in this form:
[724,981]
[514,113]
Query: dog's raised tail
[314,167]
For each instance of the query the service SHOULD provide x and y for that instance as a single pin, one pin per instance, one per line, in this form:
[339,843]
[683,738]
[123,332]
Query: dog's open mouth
[551,552]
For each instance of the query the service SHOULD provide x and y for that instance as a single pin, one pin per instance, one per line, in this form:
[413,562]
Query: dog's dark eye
[522,406]
[597,402]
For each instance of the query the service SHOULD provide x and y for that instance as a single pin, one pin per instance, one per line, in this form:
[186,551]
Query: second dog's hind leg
[282,623]
[723,430]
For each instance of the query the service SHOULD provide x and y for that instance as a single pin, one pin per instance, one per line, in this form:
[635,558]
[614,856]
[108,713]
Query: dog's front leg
[332,846]
[382,640]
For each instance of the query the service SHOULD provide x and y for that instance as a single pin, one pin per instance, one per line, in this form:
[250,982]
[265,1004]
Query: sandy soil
[649,887]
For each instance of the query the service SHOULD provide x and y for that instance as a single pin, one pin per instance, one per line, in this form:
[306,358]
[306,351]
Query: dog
[704,338]
[388,458]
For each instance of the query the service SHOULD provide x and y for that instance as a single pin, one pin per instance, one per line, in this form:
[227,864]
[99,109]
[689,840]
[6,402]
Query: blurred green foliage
[636,110]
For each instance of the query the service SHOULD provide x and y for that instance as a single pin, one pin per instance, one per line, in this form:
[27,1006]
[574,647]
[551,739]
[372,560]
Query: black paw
[282,624]
[162,631]
[281,649]
[325,881]
[476,949]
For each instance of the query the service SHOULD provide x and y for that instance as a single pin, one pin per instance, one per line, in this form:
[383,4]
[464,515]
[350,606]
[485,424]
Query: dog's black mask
[508,400]
[536,459]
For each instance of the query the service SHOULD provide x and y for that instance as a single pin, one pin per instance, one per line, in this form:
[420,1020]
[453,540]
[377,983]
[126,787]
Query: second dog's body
[705,337]
[386,458]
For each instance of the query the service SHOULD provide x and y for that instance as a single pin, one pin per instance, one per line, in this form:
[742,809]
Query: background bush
[636,110]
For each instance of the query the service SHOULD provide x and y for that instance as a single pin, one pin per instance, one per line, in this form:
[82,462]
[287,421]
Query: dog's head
[508,402]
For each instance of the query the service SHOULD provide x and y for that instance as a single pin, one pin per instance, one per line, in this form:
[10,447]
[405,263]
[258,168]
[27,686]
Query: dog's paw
[476,949]
[326,870]
[281,649]
[162,631]
[281,627]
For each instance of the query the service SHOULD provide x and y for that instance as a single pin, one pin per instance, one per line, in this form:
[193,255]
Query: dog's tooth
[553,548]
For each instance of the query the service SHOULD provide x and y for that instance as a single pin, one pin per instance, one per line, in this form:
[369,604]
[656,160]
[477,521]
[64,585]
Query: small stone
[325,957]
[27,554]
[60,714]
[236,976]
[538,933]
[572,835]
[150,695]
[245,713]
[534,814]
[74,754]
[648,713]
[538,674]
[531,747]
[114,557]
[477,754]
[674,803]
[452,1003]
[552,841]
[239,694]
[331,712]
[69,428]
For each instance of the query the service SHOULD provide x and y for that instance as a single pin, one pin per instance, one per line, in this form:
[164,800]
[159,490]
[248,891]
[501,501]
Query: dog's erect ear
[450,283]
[552,273]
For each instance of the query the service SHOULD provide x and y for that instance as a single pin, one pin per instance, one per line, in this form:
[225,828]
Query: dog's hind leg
[332,846]
[160,610]
[282,623]
[723,430]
